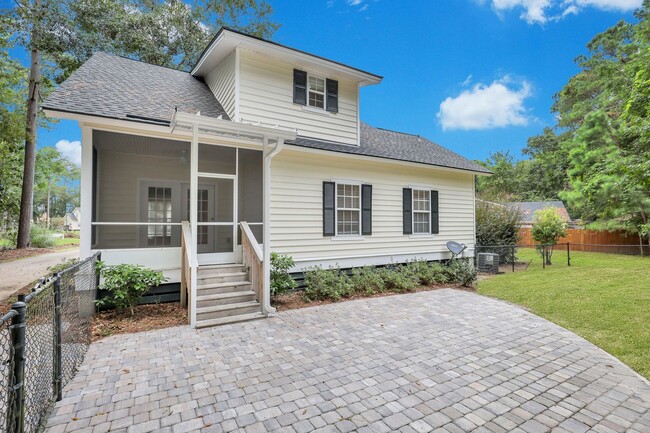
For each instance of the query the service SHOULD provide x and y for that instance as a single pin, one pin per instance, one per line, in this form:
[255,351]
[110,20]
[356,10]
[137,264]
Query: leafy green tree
[548,228]
[55,175]
[497,224]
[62,34]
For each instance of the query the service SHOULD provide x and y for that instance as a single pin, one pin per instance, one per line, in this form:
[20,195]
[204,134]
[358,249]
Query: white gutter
[266,256]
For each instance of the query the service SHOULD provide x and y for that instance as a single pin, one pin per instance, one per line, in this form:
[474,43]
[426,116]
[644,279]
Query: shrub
[281,281]
[326,284]
[497,224]
[428,273]
[55,269]
[367,280]
[462,272]
[126,284]
[40,237]
[400,278]
[548,228]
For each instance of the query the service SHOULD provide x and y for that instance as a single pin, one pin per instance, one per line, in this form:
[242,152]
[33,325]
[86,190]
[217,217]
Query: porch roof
[120,88]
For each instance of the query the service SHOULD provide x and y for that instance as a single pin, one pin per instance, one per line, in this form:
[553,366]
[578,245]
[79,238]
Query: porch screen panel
[215,215]
[251,192]
[217,159]
[138,193]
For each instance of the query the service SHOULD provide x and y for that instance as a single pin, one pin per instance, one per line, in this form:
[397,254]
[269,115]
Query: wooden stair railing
[189,266]
[253,260]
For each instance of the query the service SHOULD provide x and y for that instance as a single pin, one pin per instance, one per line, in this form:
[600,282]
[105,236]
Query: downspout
[266,244]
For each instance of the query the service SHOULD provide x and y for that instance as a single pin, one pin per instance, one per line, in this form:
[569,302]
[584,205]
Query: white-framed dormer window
[348,209]
[316,91]
[421,211]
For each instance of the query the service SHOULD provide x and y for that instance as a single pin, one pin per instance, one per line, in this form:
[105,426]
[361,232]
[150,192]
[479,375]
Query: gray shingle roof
[528,209]
[121,88]
[400,146]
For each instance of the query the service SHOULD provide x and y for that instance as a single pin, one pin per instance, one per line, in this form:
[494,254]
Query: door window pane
[159,210]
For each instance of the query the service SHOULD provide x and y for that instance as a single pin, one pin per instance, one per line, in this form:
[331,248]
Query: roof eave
[273,48]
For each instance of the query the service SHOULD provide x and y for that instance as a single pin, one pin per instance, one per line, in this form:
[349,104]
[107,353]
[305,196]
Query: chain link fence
[514,258]
[43,340]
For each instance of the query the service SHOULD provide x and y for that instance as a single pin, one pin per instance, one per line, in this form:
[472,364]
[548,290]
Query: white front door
[216,235]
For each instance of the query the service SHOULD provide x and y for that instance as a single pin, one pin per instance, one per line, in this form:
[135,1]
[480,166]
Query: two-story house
[259,148]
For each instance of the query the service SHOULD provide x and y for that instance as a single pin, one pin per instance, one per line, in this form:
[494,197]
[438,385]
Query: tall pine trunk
[31,127]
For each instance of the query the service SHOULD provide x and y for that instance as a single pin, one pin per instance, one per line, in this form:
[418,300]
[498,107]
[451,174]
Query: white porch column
[194,183]
[266,247]
[86,187]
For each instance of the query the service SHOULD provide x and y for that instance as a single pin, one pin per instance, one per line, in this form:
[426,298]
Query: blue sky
[475,76]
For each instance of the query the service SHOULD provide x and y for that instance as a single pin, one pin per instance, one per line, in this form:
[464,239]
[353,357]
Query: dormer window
[314,91]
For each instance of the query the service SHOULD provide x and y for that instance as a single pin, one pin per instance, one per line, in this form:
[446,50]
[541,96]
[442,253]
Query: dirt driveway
[16,274]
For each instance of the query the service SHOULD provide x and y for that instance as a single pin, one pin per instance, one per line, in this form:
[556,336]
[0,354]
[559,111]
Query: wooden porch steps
[225,295]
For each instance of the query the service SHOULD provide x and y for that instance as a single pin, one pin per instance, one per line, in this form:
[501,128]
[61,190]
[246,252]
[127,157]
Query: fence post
[568,254]
[58,364]
[18,343]
[513,258]
[97,276]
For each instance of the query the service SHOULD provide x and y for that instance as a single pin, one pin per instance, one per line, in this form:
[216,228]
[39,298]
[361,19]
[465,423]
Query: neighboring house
[259,148]
[71,220]
[528,209]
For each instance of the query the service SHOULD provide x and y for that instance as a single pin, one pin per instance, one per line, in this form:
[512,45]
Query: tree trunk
[31,126]
[49,192]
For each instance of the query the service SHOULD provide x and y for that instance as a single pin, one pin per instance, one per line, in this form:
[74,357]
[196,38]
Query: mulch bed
[15,254]
[292,301]
[146,318]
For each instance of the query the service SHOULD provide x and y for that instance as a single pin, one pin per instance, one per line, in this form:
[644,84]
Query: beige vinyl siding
[221,80]
[297,213]
[266,95]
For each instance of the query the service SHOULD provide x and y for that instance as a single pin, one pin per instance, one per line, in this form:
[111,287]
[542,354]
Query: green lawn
[66,241]
[604,298]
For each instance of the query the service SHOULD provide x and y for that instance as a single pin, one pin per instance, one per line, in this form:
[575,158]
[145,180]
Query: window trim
[323,93]
[338,235]
[413,211]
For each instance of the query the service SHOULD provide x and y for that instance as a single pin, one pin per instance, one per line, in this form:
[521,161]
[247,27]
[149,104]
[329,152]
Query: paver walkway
[16,274]
[445,360]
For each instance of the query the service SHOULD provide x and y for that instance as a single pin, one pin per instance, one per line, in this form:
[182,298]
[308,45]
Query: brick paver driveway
[445,360]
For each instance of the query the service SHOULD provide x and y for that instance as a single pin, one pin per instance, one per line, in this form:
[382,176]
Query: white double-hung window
[348,209]
[316,90]
[421,211]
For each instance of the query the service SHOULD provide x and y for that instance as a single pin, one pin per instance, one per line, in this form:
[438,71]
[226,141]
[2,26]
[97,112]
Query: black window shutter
[329,198]
[366,210]
[407,211]
[332,88]
[299,87]
[435,219]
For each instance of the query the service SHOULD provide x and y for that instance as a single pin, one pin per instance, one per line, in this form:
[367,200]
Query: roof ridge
[121,56]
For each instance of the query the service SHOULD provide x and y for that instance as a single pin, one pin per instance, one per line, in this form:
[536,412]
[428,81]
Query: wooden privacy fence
[592,241]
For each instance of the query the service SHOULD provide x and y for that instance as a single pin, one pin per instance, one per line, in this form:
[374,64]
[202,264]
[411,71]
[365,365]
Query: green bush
[462,272]
[55,269]
[40,237]
[126,284]
[497,224]
[400,278]
[428,273]
[281,281]
[326,284]
[367,280]
[548,228]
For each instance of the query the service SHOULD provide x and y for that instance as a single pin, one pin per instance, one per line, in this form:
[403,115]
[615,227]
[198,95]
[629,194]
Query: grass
[65,241]
[604,298]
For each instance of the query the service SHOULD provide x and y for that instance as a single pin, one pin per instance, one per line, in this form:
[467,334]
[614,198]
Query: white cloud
[497,105]
[70,149]
[542,11]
